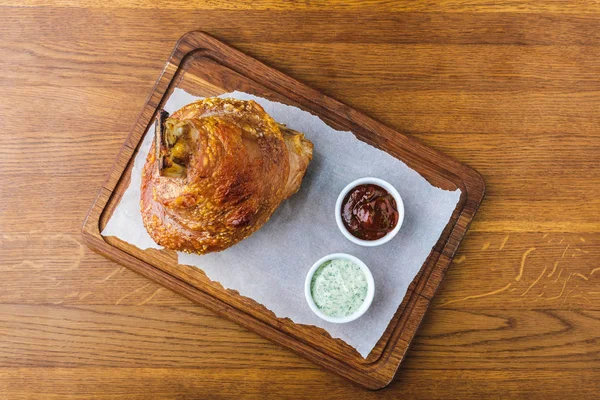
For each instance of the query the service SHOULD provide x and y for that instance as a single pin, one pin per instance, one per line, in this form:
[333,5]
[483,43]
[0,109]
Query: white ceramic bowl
[390,189]
[364,306]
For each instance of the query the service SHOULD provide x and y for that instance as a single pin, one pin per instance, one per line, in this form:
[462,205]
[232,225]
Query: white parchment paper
[271,265]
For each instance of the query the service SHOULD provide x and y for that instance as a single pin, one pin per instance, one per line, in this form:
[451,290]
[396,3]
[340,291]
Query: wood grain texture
[508,87]
[344,5]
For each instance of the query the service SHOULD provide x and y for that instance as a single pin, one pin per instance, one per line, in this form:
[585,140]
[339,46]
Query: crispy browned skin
[233,166]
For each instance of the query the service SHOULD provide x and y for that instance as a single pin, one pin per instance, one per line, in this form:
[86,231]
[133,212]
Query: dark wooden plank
[332,67]
[288,383]
[322,26]
[337,5]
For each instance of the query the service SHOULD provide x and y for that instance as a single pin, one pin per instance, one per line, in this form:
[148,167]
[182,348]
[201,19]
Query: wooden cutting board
[204,66]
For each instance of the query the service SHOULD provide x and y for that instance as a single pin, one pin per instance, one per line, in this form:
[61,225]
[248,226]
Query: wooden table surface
[511,88]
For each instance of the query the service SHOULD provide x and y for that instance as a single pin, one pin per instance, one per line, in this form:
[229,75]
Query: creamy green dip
[338,287]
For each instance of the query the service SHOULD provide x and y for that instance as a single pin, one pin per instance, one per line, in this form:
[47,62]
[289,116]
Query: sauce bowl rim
[363,307]
[390,189]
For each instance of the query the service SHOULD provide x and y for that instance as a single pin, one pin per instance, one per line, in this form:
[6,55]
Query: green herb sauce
[338,287]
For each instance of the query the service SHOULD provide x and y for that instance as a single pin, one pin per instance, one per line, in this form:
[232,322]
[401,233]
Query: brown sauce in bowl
[369,212]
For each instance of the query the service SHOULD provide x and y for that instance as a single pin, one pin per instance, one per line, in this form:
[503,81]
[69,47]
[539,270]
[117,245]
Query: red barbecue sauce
[369,212]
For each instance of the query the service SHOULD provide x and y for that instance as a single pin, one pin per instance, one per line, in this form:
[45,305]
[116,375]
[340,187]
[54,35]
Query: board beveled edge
[372,378]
